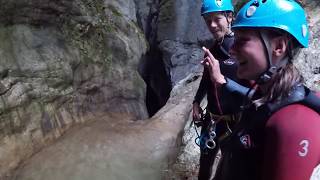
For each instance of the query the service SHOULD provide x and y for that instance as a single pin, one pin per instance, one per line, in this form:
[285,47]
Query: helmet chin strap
[272,68]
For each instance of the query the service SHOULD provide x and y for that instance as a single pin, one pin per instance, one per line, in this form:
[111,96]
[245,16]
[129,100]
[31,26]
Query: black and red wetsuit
[279,145]
[292,144]
[218,101]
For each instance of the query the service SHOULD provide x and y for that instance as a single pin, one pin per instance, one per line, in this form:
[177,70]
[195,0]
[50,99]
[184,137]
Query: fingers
[209,61]
[206,62]
[208,56]
[213,65]
[208,53]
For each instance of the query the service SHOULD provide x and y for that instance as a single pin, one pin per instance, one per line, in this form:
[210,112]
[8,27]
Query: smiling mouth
[214,32]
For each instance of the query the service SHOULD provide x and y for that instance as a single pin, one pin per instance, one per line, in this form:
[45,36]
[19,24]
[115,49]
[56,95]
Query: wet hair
[282,83]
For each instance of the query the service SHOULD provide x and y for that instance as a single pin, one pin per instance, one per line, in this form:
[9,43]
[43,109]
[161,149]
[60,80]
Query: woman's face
[249,51]
[218,24]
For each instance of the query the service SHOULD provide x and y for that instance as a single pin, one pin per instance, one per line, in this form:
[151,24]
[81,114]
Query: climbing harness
[206,139]
[209,136]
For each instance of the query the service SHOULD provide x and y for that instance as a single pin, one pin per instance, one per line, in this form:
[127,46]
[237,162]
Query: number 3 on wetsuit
[304,145]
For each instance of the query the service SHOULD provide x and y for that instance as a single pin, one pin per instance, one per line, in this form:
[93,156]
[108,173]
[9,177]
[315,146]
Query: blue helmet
[287,15]
[209,6]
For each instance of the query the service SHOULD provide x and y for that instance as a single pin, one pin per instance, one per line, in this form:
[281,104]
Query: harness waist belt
[225,117]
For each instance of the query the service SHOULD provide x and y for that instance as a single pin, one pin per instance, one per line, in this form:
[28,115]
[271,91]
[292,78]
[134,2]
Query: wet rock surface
[61,63]
[75,63]
[114,146]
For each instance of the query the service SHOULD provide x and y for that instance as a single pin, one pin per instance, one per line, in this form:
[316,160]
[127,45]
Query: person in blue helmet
[217,122]
[277,136]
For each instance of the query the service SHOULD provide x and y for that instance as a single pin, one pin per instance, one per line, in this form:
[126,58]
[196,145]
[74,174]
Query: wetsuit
[218,101]
[273,143]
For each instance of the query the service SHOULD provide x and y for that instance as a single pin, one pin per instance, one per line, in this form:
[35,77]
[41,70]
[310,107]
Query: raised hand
[213,66]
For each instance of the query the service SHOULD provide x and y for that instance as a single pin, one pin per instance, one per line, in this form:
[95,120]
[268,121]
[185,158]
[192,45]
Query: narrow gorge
[102,89]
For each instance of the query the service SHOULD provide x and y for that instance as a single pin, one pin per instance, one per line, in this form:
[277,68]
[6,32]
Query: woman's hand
[213,66]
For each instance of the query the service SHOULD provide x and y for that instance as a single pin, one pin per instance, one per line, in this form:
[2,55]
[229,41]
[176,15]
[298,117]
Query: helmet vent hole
[255,3]
[263,1]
